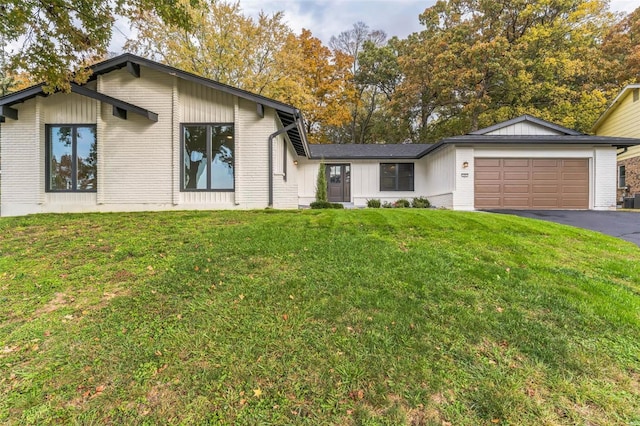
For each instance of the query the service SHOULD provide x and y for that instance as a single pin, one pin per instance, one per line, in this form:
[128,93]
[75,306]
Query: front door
[338,183]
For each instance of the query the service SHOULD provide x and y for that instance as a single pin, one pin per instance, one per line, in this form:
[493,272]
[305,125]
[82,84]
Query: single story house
[622,119]
[140,135]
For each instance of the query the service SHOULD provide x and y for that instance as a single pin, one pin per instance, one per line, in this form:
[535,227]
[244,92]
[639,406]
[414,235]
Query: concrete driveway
[624,225]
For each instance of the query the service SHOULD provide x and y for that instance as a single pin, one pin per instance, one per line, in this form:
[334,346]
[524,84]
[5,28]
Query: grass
[369,317]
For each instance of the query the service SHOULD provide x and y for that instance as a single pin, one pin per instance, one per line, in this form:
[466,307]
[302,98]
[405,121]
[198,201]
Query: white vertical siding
[524,128]
[604,178]
[285,186]
[440,176]
[176,119]
[39,142]
[307,171]
[201,104]
[100,138]
[69,108]
[463,196]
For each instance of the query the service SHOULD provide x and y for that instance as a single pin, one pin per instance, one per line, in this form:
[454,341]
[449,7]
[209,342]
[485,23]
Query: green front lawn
[374,316]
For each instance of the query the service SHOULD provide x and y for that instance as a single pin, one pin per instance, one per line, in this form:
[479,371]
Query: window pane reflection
[61,161]
[86,158]
[222,151]
[195,157]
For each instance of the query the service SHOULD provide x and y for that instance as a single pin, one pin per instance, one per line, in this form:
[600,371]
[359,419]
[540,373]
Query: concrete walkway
[620,224]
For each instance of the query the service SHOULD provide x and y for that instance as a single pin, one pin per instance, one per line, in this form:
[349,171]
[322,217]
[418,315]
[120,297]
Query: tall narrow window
[71,158]
[622,181]
[396,176]
[208,163]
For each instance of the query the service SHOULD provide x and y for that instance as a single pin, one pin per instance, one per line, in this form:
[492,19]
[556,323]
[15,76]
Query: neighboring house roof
[616,102]
[287,113]
[368,151]
[527,119]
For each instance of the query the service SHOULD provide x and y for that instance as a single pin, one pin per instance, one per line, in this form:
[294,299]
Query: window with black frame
[71,158]
[208,157]
[396,176]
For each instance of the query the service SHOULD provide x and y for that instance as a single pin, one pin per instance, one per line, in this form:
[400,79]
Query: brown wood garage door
[531,183]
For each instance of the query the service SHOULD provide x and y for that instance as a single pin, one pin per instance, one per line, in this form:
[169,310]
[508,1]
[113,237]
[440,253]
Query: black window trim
[209,156]
[397,180]
[74,158]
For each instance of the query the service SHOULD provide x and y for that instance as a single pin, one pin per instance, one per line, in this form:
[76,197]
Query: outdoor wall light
[295,162]
[465,164]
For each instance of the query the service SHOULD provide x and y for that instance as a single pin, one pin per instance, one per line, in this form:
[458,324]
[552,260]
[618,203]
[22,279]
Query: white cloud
[326,18]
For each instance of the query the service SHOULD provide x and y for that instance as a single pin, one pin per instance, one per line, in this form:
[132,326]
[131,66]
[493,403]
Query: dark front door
[338,182]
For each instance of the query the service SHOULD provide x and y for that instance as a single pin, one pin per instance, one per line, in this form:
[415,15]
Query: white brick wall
[605,178]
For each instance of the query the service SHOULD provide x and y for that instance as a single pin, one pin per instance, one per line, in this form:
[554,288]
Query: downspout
[271,138]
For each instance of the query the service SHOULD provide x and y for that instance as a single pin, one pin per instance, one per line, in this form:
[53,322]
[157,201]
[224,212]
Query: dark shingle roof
[287,113]
[368,151]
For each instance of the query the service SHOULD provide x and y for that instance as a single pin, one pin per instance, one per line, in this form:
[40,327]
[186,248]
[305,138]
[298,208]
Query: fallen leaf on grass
[356,395]
[257,393]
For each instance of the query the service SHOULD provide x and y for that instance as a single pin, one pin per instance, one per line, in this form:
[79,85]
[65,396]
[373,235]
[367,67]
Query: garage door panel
[575,162]
[488,189]
[545,189]
[569,176]
[554,175]
[515,202]
[509,188]
[573,189]
[487,202]
[487,162]
[515,162]
[568,203]
[531,183]
[547,162]
[488,175]
[545,202]
[511,176]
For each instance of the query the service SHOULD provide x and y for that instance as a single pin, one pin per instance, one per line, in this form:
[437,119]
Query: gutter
[272,136]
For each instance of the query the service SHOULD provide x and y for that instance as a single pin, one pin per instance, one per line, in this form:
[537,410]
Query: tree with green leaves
[220,43]
[59,38]
[477,63]
[621,47]
[363,98]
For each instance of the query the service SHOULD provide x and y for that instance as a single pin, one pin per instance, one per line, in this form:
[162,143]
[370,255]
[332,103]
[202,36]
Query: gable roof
[530,140]
[368,151]
[614,105]
[286,113]
[528,119]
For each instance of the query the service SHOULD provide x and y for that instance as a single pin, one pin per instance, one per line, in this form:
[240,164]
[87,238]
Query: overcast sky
[326,18]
